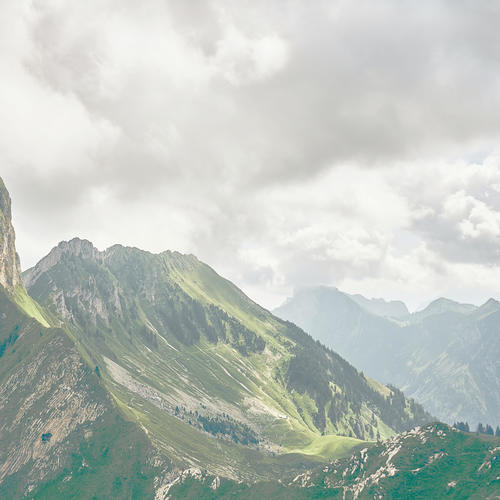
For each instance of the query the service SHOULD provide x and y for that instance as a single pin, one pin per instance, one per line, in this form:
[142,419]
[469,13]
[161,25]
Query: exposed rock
[52,389]
[76,246]
[10,269]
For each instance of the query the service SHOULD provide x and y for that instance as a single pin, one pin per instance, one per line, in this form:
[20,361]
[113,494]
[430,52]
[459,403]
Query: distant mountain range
[445,356]
[131,375]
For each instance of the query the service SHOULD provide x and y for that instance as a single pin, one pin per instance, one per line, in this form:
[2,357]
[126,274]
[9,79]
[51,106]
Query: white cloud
[242,60]
[286,143]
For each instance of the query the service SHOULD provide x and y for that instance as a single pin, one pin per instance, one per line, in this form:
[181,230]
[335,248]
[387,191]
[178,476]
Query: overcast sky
[286,143]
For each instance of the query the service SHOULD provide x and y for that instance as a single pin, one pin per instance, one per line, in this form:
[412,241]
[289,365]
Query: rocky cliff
[9,260]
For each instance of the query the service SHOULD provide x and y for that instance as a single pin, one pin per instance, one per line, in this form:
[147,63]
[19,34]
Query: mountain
[126,350]
[61,433]
[126,374]
[440,306]
[339,322]
[445,356]
[213,377]
[435,461]
[381,307]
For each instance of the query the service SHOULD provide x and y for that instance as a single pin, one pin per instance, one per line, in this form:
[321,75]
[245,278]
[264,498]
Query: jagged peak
[78,246]
[381,307]
[491,301]
[490,305]
[84,248]
[118,249]
[442,300]
[75,246]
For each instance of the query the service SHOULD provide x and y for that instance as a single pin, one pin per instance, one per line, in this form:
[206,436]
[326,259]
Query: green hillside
[61,435]
[445,356]
[215,379]
[126,374]
[435,461]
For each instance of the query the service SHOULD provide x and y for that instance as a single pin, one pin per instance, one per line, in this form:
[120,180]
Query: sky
[285,143]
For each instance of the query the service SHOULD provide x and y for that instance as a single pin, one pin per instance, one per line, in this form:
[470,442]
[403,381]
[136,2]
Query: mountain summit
[61,433]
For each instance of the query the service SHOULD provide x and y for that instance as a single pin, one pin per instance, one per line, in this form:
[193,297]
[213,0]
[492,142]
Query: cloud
[286,143]
[241,60]
[457,210]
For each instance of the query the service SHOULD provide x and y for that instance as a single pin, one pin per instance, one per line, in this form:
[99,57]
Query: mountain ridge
[87,409]
[59,426]
[136,298]
[444,355]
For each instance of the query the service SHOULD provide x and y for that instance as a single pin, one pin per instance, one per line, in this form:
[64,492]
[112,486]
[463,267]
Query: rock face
[41,429]
[75,247]
[60,430]
[9,260]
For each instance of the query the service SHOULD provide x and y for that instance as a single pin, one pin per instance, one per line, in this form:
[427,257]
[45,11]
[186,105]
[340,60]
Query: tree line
[481,429]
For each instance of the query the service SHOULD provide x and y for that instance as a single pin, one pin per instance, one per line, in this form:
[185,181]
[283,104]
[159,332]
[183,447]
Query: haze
[286,144]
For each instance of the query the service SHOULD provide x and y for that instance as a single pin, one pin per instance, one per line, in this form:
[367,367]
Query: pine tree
[461,426]
[489,430]
[497,432]
[480,428]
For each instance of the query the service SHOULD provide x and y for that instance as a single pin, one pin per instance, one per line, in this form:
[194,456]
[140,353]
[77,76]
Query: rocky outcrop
[49,400]
[10,271]
[74,247]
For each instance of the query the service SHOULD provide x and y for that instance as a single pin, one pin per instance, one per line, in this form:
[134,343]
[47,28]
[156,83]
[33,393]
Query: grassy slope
[106,457]
[219,387]
[298,435]
[204,284]
[150,369]
[30,307]
[434,462]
